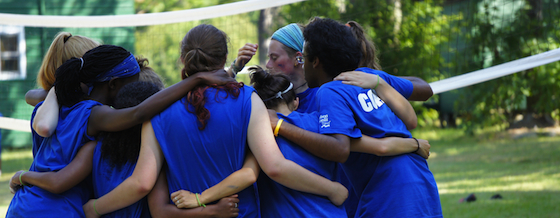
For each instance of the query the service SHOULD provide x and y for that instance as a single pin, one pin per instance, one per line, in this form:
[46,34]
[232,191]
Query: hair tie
[67,37]
[348,25]
[279,94]
[82,64]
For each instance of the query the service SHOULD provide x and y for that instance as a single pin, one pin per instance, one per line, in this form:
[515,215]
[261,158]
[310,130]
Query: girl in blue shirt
[107,69]
[206,143]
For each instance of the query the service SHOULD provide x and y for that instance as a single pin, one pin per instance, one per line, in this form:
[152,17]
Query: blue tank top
[280,201]
[199,159]
[54,153]
[405,181]
[106,177]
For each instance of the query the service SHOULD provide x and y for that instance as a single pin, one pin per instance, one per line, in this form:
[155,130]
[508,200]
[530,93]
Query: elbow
[382,150]
[44,130]
[412,124]
[274,171]
[343,155]
[56,189]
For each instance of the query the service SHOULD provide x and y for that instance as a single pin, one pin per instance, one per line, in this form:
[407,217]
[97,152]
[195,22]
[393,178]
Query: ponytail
[273,89]
[75,71]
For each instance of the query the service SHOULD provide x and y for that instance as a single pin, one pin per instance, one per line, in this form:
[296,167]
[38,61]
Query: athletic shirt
[395,186]
[53,154]
[307,100]
[107,177]
[308,104]
[199,159]
[280,201]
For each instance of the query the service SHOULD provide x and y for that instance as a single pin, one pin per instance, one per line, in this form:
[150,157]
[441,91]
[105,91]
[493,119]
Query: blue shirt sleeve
[402,86]
[335,113]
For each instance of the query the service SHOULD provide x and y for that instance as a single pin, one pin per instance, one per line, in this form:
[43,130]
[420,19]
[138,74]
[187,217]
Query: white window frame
[22,72]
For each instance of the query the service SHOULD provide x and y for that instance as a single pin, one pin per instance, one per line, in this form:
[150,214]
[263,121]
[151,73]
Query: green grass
[12,161]
[526,172]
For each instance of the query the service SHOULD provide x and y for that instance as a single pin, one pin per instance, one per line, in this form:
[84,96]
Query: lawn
[525,172]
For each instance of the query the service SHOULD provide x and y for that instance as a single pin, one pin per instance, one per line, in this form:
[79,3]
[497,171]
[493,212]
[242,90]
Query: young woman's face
[278,59]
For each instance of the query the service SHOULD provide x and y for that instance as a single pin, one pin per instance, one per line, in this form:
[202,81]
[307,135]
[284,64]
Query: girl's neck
[283,109]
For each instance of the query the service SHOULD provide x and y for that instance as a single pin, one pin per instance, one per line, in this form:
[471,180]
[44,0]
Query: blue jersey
[53,154]
[280,201]
[396,186]
[199,159]
[308,103]
[307,100]
[106,177]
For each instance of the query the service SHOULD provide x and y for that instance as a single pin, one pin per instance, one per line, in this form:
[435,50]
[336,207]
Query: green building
[22,50]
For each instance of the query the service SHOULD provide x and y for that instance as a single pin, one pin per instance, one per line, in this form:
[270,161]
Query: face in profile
[278,59]
[310,72]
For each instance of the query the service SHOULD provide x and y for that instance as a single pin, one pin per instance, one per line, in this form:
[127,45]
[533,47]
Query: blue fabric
[127,68]
[55,153]
[403,86]
[407,186]
[198,159]
[307,100]
[291,36]
[106,177]
[280,201]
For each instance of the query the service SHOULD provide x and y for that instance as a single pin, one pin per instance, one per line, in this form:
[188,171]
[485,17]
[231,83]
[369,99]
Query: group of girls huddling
[108,140]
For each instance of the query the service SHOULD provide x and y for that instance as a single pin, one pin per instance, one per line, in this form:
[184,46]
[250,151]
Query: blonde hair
[147,74]
[63,47]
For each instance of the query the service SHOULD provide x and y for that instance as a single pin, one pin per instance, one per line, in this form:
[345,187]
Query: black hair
[124,146]
[334,44]
[75,71]
[268,85]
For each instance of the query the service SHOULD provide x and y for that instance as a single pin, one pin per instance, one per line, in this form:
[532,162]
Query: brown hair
[63,47]
[147,74]
[369,53]
[204,48]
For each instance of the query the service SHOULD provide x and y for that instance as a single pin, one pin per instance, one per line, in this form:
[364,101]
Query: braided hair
[75,71]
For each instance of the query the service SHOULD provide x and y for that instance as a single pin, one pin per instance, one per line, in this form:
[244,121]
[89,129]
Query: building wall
[38,40]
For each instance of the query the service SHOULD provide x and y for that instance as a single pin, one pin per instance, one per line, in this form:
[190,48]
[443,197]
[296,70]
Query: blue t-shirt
[280,201]
[199,159]
[106,177]
[308,104]
[395,186]
[55,153]
[307,100]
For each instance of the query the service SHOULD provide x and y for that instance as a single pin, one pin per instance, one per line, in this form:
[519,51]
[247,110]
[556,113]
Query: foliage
[496,38]
[161,43]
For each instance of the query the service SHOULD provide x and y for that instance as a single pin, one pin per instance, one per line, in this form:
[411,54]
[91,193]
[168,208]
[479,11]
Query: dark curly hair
[268,85]
[334,44]
[124,146]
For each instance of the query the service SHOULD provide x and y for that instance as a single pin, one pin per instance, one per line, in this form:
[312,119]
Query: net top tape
[141,19]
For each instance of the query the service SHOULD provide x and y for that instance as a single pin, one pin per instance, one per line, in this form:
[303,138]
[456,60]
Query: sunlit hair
[147,74]
[63,47]
[204,48]
[268,85]
[367,47]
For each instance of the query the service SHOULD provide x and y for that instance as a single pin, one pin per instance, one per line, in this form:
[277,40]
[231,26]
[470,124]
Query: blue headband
[127,68]
[290,36]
